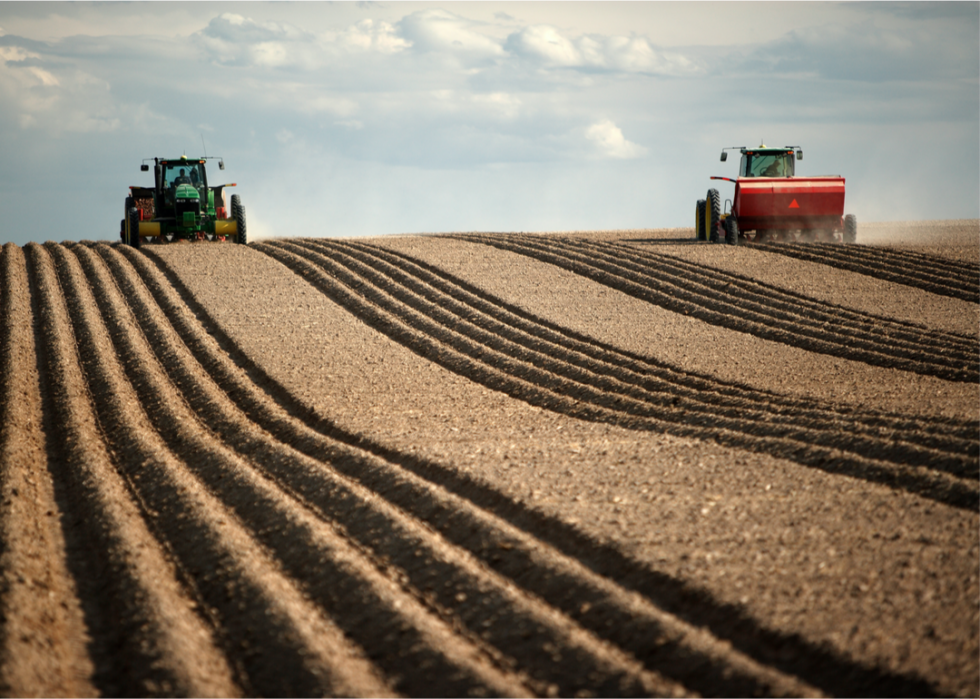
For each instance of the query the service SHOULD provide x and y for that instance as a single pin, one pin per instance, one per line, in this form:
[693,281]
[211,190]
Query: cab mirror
[724,156]
[144,168]
[221,164]
[799,154]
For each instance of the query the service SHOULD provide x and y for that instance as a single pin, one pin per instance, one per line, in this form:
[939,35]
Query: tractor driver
[775,168]
[781,166]
[182,178]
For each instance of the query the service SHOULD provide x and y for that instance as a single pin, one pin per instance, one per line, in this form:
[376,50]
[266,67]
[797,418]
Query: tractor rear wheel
[731,230]
[239,213]
[134,228]
[713,214]
[700,231]
[850,228]
[124,233]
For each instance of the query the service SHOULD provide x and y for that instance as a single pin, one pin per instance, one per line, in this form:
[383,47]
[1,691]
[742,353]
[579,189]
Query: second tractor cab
[181,205]
[772,204]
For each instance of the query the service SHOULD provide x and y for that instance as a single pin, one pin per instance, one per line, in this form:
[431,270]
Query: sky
[362,119]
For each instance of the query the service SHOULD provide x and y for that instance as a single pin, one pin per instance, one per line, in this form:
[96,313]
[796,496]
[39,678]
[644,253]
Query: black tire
[713,214]
[239,213]
[731,230]
[124,233]
[700,232]
[134,228]
[122,230]
[236,201]
[850,228]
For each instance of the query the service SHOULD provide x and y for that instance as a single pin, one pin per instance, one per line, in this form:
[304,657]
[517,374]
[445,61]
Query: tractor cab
[767,162]
[183,171]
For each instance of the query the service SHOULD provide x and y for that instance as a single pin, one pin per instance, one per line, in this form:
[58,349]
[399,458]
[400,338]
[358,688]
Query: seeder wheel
[713,214]
[731,230]
[850,228]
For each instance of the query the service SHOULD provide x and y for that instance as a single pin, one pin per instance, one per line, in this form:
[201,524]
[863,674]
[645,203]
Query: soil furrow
[42,632]
[912,335]
[717,312]
[943,277]
[276,639]
[516,625]
[665,639]
[517,378]
[145,639]
[671,401]
[915,262]
[762,301]
[348,592]
[949,435]
[453,517]
[912,261]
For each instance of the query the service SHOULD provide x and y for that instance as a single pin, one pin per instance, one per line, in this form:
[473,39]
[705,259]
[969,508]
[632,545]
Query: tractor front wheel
[700,231]
[134,228]
[239,213]
[850,228]
[731,230]
[713,214]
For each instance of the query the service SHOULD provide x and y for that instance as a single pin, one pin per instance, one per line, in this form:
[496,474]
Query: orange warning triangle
[794,205]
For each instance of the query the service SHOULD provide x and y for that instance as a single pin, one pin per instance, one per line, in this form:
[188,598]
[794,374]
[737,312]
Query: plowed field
[584,464]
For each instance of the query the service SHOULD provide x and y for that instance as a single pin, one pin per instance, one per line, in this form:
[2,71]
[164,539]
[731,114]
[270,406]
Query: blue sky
[349,119]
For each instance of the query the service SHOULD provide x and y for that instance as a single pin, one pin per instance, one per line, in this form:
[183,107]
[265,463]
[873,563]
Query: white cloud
[444,32]
[232,27]
[15,54]
[44,76]
[232,39]
[545,46]
[609,139]
[374,35]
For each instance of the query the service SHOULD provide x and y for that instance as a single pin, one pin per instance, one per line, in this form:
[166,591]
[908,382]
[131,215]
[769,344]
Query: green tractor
[181,206]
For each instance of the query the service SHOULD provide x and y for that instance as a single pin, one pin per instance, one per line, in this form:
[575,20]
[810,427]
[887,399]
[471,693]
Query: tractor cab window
[182,173]
[767,165]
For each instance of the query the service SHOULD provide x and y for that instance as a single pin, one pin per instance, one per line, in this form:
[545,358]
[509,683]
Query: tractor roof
[767,149]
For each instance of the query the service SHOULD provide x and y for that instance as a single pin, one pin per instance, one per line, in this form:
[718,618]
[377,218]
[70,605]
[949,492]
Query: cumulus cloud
[609,140]
[439,31]
[231,39]
[374,35]
[15,54]
[544,44]
[547,47]
[235,28]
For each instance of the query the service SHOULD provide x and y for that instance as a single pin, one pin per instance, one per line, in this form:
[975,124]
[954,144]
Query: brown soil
[608,463]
